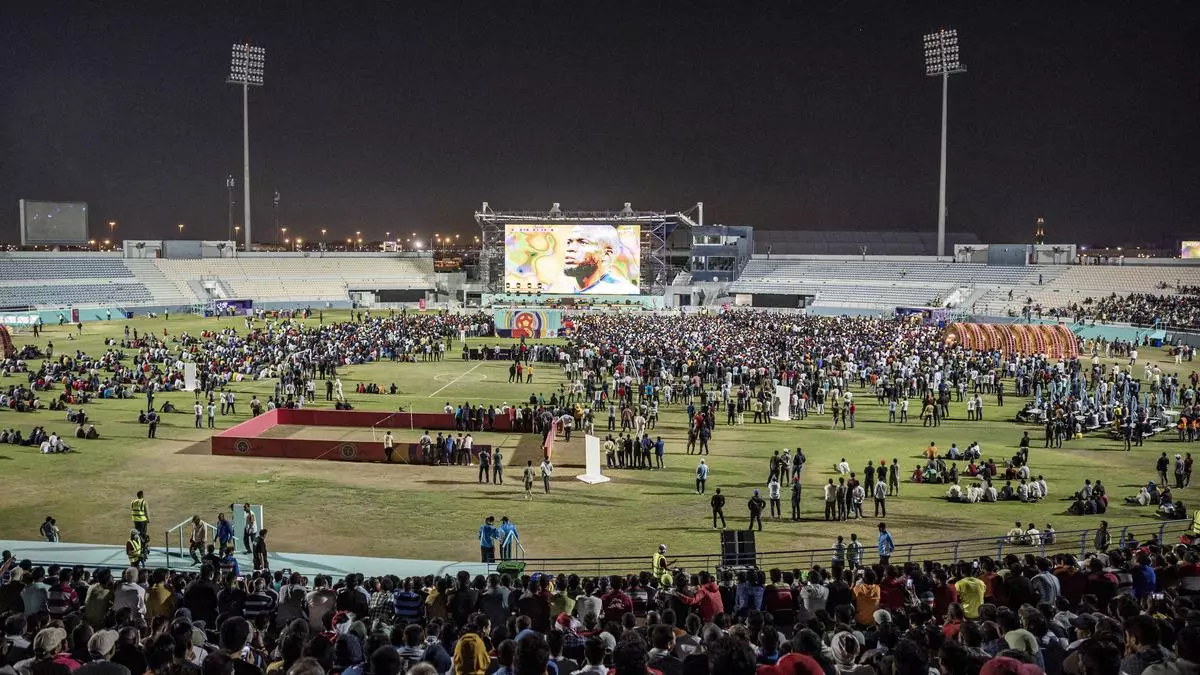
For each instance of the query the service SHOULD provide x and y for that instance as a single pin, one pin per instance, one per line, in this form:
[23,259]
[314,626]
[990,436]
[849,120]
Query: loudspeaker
[737,548]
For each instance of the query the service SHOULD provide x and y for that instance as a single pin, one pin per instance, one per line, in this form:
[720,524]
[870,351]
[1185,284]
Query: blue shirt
[1144,581]
[702,472]
[886,545]
[224,531]
[487,535]
[507,532]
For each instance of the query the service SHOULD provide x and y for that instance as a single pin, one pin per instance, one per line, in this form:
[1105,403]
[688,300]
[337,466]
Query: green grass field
[433,512]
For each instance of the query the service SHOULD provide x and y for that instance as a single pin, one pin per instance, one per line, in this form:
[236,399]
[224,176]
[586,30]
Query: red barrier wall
[245,439]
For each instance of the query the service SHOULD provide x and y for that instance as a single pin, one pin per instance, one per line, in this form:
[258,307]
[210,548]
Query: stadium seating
[66,267]
[68,280]
[76,293]
[300,279]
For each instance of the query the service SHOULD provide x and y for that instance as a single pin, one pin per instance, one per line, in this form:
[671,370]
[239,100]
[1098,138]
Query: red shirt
[615,604]
[944,596]
[891,593]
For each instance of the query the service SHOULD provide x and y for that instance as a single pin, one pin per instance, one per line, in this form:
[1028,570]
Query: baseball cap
[48,640]
[882,616]
[102,642]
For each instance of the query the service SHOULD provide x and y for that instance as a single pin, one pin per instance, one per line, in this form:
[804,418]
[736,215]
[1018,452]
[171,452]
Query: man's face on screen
[584,255]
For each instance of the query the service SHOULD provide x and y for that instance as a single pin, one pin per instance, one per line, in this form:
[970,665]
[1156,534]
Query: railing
[179,529]
[1076,542]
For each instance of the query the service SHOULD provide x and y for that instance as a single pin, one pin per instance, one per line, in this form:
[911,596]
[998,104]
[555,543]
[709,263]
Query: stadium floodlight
[941,60]
[246,69]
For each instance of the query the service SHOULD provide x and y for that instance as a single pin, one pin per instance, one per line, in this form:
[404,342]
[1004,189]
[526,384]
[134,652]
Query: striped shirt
[407,607]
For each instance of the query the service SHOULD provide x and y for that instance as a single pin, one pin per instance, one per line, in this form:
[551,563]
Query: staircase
[164,291]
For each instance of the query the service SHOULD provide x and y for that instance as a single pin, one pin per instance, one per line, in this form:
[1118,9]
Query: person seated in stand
[1143,496]
[1017,534]
[955,493]
[918,474]
[1006,492]
[1035,491]
[1165,499]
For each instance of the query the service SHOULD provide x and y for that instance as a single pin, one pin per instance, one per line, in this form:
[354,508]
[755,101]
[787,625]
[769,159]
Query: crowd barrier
[1075,542]
[246,439]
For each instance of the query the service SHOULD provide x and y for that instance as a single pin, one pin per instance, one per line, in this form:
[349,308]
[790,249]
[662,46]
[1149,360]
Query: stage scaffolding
[657,226]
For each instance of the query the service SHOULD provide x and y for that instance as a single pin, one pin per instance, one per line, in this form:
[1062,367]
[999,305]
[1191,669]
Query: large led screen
[1190,249]
[581,259]
[53,222]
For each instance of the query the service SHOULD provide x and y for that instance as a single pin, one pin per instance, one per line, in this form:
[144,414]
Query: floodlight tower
[246,69]
[941,60]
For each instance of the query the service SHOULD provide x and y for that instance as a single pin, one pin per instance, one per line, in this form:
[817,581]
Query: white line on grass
[456,379]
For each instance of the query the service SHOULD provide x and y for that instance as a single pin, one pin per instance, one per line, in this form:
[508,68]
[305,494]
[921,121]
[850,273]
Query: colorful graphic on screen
[580,259]
[1190,249]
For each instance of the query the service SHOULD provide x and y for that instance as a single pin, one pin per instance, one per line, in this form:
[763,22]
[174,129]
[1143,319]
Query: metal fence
[1077,542]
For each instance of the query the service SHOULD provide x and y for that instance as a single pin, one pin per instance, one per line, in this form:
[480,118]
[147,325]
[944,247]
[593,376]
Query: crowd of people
[1127,608]
[1142,309]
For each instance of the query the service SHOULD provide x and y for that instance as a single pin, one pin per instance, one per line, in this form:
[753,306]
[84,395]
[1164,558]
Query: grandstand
[67,280]
[877,282]
[87,279]
[852,243]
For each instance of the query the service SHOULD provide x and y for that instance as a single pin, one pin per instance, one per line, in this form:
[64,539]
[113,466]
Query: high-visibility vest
[133,549]
[1196,522]
[138,508]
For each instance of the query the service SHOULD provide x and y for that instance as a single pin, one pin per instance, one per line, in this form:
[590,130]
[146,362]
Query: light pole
[181,230]
[246,69]
[322,239]
[237,234]
[230,184]
[275,209]
[112,228]
[941,60]
[283,233]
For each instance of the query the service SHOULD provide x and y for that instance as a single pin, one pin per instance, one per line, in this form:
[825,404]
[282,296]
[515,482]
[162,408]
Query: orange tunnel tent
[7,350]
[1054,340]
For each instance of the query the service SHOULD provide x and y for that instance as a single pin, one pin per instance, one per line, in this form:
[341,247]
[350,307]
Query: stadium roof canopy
[846,242]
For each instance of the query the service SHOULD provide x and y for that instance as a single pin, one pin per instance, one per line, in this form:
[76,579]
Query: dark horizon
[777,117]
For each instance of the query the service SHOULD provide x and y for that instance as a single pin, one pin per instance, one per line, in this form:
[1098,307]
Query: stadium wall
[246,440]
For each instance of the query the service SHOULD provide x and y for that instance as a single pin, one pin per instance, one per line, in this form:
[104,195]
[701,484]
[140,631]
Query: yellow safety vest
[1196,522]
[133,549]
[138,507]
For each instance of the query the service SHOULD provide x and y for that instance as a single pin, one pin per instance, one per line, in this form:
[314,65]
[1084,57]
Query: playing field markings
[456,379]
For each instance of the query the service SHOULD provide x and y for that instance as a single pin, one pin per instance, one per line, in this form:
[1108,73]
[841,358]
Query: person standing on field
[755,505]
[485,462]
[546,469]
[701,477]
[718,508]
[497,467]
[140,512]
[528,479]
[389,446]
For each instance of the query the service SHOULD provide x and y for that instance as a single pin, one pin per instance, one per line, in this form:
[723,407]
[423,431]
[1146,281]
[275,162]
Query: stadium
[594,436]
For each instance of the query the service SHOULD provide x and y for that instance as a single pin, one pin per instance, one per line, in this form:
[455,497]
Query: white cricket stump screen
[782,405]
[591,449]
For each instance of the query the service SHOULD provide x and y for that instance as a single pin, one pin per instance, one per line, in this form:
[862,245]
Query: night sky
[406,116]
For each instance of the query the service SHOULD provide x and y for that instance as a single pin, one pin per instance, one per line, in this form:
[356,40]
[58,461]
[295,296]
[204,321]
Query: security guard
[134,549]
[662,567]
[141,516]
